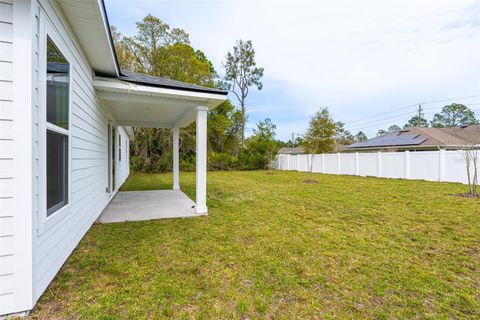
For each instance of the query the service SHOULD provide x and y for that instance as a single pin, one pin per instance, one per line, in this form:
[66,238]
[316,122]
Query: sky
[370,62]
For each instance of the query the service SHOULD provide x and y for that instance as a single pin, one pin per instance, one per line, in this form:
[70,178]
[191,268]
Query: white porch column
[176,165]
[201,161]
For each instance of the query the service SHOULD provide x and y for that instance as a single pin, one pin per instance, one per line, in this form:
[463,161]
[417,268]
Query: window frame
[48,31]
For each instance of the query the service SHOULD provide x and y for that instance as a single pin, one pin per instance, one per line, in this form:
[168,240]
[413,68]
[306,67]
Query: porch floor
[148,205]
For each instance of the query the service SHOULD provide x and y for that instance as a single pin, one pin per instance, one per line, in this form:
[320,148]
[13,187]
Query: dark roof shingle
[147,80]
[425,137]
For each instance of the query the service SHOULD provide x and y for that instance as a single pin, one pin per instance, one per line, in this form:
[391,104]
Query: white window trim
[47,222]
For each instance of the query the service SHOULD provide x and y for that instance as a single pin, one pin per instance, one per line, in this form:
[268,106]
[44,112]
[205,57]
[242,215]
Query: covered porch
[143,101]
[148,205]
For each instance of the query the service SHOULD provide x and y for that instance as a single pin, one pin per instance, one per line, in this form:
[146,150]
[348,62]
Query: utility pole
[294,134]
[420,114]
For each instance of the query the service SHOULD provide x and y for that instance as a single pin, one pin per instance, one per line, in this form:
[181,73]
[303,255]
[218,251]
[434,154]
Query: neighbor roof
[285,150]
[424,137]
[144,79]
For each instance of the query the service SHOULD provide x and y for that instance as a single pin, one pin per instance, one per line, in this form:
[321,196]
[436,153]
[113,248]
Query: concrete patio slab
[148,205]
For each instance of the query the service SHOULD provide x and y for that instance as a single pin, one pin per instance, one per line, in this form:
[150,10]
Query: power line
[413,105]
[383,120]
[445,100]
[388,112]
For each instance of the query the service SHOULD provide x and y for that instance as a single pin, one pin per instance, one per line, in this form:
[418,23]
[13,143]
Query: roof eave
[224,93]
[89,22]
[120,86]
[110,37]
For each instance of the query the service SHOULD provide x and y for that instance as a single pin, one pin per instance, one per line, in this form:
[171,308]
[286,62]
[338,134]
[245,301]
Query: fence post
[323,162]
[441,165]
[338,163]
[379,164]
[356,164]
[298,162]
[407,164]
[288,162]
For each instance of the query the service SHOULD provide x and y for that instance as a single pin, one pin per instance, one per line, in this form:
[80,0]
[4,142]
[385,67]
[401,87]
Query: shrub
[222,161]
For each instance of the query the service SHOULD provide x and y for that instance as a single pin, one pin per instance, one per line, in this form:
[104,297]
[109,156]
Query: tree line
[325,135]
[157,49]
[451,115]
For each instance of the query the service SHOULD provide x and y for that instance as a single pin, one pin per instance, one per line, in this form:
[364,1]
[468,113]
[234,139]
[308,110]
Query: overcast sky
[361,59]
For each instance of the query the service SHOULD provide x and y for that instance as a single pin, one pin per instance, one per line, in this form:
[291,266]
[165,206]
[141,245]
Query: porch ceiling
[144,106]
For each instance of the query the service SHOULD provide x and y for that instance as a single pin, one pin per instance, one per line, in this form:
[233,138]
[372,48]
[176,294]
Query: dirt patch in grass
[469,195]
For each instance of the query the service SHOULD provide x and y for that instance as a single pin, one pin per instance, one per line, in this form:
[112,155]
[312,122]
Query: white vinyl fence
[439,165]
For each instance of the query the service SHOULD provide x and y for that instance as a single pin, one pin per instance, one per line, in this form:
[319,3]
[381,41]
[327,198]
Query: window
[58,88]
[119,148]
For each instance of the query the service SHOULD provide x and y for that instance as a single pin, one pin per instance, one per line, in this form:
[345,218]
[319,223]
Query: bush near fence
[439,165]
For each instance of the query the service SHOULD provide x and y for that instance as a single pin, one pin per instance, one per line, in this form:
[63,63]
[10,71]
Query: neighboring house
[296,150]
[65,115]
[421,139]
[300,150]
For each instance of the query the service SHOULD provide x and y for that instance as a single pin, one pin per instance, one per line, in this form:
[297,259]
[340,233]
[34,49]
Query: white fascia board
[101,7]
[211,100]
[130,133]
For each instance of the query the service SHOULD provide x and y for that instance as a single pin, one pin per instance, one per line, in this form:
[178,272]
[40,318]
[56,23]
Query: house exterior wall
[8,216]
[54,242]
[123,165]
[33,247]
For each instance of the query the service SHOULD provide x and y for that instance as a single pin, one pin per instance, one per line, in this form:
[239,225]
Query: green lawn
[273,247]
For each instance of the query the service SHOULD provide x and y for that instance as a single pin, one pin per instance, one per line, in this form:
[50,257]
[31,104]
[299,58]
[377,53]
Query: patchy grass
[274,247]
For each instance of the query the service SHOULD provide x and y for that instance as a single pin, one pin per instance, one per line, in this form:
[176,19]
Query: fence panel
[426,165]
[330,165]
[393,165]
[455,167]
[303,162]
[367,164]
[422,165]
[317,163]
[347,163]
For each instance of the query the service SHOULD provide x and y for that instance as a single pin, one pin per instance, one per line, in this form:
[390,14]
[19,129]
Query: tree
[416,121]
[320,136]
[360,137]
[470,155]
[241,73]
[343,136]
[224,128]
[125,57]
[452,115]
[160,51]
[381,132]
[183,63]
[393,129]
[261,147]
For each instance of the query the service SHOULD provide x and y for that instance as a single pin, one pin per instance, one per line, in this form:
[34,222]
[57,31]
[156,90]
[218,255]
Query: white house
[65,115]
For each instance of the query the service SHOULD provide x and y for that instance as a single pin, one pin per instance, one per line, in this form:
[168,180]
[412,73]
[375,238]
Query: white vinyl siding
[32,247]
[54,241]
[7,214]
[123,166]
